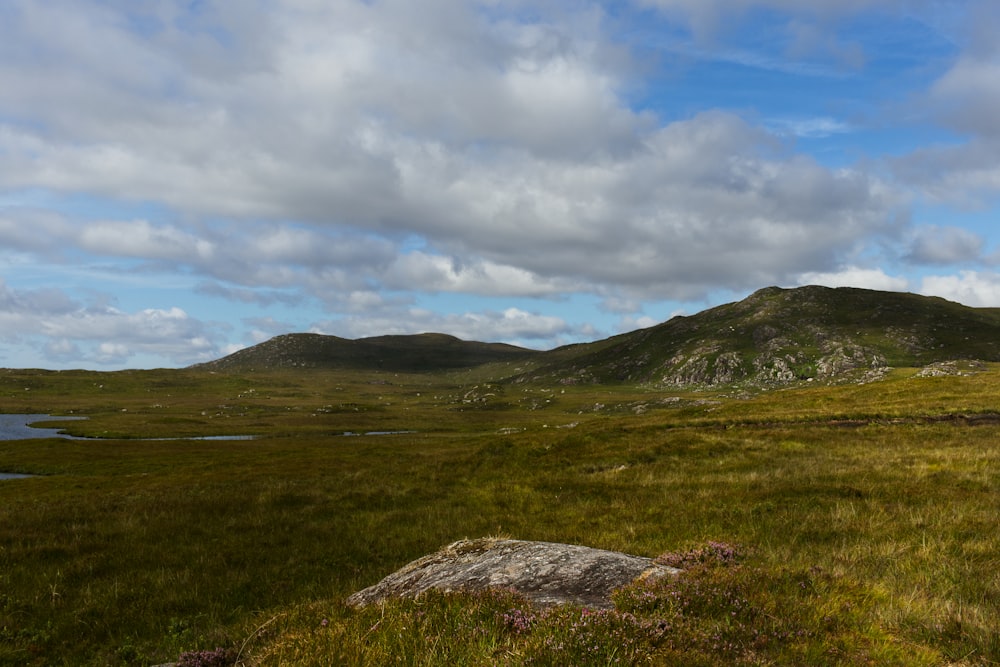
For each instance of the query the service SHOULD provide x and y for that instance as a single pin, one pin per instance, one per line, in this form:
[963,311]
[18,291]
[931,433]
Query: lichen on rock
[546,573]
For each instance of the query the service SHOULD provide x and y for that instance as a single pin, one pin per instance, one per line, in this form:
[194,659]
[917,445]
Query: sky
[179,180]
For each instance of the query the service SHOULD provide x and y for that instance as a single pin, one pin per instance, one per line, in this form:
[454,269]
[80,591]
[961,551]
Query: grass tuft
[719,611]
[819,525]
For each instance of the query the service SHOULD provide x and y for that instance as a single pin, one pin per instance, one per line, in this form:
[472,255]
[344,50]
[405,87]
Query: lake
[15,427]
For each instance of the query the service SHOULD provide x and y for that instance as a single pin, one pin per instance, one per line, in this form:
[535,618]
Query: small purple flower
[518,621]
[220,657]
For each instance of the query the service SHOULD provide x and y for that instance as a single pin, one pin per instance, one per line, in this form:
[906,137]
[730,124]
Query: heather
[816,525]
[718,611]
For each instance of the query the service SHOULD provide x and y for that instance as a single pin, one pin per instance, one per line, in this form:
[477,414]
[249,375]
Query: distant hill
[779,336]
[418,353]
[773,337]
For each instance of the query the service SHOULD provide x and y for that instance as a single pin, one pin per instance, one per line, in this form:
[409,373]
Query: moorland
[822,463]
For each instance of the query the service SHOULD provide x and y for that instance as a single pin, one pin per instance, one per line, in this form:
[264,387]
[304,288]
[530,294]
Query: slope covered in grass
[773,338]
[403,354]
[777,337]
[881,498]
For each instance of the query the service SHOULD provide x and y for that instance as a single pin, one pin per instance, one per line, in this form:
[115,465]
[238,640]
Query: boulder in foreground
[546,573]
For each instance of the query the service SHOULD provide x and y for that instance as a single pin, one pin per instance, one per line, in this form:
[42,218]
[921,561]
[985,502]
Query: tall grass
[130,551]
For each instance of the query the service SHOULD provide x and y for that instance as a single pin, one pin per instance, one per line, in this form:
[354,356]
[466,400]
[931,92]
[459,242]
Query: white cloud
[969,92]
[67,331]
[512,325]
[261,297]
[62,350]
[965,171]
[34,231]
[707,201]
[437,273]
[945,245]
[112,353]
[465,128]
[631,323]
[232,348]
[854,276]
[287,154]
[972,288]
[966,175]
[139,238]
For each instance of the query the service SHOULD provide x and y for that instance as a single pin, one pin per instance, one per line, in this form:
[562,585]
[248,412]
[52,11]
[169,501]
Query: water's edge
[18,426]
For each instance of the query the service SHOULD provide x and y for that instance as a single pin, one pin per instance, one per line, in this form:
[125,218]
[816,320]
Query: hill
[408,354]
[774,337]
[780,336]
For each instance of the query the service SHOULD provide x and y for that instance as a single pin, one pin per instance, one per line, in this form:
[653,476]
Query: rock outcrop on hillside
[778,337]
[773,338]
[546,573]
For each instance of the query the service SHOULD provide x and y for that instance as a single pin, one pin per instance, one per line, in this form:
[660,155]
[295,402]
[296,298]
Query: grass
[721,610]
[867,529]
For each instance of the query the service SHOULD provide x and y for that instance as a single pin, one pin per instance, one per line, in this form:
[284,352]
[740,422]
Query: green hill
[774,337]
[779,336]
[411,354]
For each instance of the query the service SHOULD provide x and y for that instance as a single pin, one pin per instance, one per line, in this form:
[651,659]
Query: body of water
[16,427]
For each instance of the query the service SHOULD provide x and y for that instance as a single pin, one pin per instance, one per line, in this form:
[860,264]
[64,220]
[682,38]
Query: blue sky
[182,179]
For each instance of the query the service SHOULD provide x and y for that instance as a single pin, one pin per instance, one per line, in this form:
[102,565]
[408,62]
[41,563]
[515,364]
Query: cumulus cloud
[261,297]
[357,154]
[964,98]
[267,327]
[17,304]
[945,245]
[63,350]
[38,232]
[306,116]
[139,238]
[631,323]
[853,276]
[468,131]
[967,94]
[707,201]
[965,174]
[972,288]
[69,331]
[438,273]
[512,325]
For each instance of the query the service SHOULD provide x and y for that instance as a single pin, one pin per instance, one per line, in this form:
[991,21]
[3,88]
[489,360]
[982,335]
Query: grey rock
[546,573]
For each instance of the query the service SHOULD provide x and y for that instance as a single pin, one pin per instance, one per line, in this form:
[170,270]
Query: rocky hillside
[779,336]
[404,354]
[772,338]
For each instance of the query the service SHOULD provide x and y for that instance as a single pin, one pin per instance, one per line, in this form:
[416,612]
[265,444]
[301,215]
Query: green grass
[130,551]
[722,609]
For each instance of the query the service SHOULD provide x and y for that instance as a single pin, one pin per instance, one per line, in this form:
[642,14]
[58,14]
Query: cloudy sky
[180,179]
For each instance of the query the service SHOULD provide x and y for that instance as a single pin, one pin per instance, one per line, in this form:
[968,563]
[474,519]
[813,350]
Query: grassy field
[864,518]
